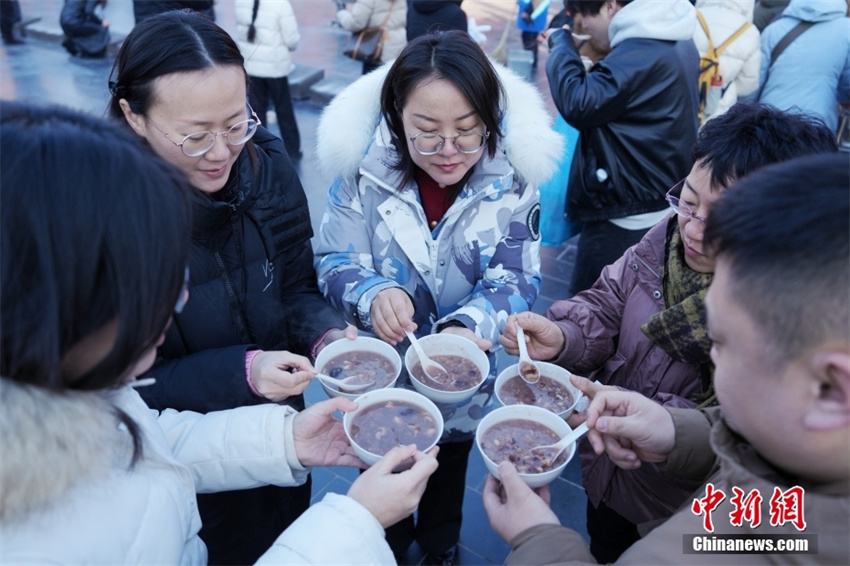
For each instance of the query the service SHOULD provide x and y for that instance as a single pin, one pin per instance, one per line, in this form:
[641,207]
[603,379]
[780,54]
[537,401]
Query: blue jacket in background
[813,73]
[537,14]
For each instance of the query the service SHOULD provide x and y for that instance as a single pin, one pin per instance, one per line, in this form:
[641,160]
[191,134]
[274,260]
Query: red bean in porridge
[511,439]
[365,365]
[385,425]
[462,373]
[547,393]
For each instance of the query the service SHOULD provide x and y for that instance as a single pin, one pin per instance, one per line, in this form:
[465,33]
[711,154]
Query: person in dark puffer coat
[143,9]
[256,316]
[430,15]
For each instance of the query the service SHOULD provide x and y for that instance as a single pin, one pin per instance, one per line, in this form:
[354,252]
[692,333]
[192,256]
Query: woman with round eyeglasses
[256,316]
[432,225]
[642,325]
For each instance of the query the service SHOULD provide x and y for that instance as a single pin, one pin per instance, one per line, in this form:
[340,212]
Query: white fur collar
[348,123]
[50,441]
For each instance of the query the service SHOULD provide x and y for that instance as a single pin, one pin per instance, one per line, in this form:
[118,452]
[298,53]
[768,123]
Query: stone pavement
[41,71]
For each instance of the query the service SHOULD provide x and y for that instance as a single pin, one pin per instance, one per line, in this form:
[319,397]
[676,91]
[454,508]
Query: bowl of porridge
[366,357]
[467,366]
[553,392]
[507,433]
[387,418]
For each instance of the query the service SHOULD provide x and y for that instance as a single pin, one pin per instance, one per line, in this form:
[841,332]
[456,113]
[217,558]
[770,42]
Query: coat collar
[351,121]
[51,441]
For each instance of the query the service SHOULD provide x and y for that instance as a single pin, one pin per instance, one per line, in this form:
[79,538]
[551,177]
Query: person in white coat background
[740,60]
[95,243]
[267,34]
[392,14]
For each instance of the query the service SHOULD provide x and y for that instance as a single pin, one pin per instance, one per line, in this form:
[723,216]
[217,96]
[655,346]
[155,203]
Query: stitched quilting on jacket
[480,264]
[252,286]
[606,321]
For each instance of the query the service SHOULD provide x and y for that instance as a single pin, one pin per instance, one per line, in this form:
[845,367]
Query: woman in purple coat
[642,325]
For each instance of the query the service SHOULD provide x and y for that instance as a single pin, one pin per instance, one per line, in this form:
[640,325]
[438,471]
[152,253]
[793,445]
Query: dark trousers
[10,14]
[239,526]
[265,90]
[438,519]
[369,66]
[529,43]
[601,243]
[610,533]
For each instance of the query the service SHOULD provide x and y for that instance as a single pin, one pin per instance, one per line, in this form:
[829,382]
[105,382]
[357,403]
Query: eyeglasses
[432,144]
[183,298]
[197,144]
[678,206]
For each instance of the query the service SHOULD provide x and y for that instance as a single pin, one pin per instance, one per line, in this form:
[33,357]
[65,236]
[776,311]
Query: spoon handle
[520,338]
[574,435]
[424,359]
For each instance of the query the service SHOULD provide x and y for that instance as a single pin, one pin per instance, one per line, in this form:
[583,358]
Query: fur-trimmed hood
[50,441]
[349,123]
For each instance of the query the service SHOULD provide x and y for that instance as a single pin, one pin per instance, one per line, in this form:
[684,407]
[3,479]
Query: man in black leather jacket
[636,112]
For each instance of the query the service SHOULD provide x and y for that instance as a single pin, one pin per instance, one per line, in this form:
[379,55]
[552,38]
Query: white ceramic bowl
[359,344]
[536,414]
[551,371]
[379,397]
[451,345]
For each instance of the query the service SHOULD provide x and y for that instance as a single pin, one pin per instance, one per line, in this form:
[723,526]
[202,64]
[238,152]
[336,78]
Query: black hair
[589,7]
[95,230]
[784,231]
[252,30]
[172,42]
[751,135]
[450,55]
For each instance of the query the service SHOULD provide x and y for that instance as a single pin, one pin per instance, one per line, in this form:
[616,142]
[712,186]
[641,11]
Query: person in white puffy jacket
[392,14]
[95,239]
[267,33]
[741,59]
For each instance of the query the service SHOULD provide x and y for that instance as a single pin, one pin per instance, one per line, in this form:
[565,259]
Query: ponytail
[252,31]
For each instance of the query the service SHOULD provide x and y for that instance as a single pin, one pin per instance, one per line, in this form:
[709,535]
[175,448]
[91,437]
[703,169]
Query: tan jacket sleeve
[549,544]
[692,456]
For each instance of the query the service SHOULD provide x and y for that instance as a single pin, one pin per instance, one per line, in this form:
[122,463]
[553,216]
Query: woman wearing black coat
[256,317]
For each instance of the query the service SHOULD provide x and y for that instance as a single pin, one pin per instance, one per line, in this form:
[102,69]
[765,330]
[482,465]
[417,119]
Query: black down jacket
[636,113]
[252,284]
[430,15]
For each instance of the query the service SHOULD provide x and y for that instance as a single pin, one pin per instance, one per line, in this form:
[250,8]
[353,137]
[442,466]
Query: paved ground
[41,71]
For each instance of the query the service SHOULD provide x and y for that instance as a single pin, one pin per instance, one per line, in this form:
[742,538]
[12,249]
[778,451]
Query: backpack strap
[704,26]
[733,37]
[786,40]
[789,37]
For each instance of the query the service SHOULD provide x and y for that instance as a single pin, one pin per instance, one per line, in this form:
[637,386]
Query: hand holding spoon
[528,370]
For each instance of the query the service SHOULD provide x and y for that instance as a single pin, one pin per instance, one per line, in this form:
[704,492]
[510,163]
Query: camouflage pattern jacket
[482,261]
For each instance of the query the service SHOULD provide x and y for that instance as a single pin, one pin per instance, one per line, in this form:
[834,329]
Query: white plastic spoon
[561,445]
[528,370]
[429,367]
[345,384]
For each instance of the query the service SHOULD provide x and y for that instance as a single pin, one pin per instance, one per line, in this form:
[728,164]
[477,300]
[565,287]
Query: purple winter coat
[602,327]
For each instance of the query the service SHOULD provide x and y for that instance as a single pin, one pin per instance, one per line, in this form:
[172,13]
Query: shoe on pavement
[447,558]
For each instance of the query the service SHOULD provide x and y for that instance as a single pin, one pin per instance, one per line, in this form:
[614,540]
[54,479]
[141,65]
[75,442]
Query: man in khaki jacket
[774,455]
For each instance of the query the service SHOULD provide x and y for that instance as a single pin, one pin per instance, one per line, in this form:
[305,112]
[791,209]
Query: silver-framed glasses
[198,143]
[431,144]
[679,207]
